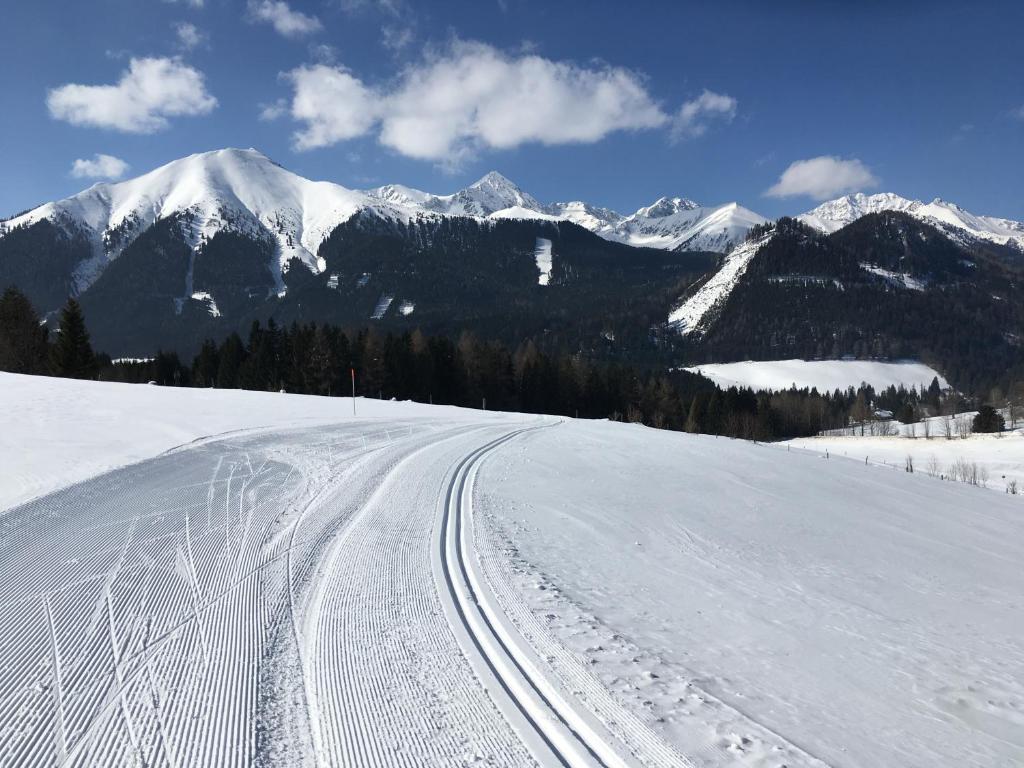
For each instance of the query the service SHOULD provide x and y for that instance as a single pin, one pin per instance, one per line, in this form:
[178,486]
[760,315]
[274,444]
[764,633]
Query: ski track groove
[264,599]
[561,730]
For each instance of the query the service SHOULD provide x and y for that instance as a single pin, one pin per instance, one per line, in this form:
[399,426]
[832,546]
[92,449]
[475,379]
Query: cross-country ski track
[432,586]
[304,597]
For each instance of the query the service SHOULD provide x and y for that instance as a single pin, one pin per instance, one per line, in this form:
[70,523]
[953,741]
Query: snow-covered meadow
[825,375]
[272,581]
[932,448]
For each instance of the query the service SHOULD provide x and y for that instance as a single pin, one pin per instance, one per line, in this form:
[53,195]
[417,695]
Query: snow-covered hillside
[766,608]
[60,431]
[949,217]
[240,190]
[437,586]
[826,375]
[696,311]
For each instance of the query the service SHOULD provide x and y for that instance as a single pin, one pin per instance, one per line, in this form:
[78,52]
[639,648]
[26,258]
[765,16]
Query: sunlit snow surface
[542,255]
[826,375]
[899,279]
[270,592]
[381,308]
[762,607]
[691,316]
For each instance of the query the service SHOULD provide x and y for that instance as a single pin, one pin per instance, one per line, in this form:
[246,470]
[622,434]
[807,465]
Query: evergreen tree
[23,345]
[204,369]
[229,363]
[988,420]
[72,356]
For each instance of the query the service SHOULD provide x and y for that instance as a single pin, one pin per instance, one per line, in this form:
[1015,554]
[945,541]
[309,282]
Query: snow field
[631,596]
[59,431]
[825,375]
[1001,456]
[542,255]
[756,607]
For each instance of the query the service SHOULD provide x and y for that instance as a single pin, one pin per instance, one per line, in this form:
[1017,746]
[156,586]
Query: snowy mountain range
[669,223]
[242,190]
[958,224]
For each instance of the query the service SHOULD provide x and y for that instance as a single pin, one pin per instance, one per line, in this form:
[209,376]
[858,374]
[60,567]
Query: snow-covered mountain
[489,195]
[239,190]
[669,223]
[242,190]
[680,224]
[960,225]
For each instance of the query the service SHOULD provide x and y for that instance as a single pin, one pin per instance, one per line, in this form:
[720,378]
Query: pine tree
[72,355]
[23,345]
[204,369]
[229,363]
[988,420]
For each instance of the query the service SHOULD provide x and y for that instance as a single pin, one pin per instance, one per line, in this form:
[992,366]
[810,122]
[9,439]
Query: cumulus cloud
[287,22]
[273,110]
[334,105]
[149,92]
[472,96]
[823,177]
[99,167]
[693,117]
[189,35]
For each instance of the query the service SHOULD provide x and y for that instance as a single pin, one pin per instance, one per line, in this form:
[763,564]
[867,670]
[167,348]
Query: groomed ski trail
[559,730]
[306,597]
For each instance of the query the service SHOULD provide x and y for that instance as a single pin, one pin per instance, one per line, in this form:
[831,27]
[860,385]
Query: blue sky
[613,103]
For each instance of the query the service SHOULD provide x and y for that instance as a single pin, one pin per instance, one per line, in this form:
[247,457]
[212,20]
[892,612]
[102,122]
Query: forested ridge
[321,359]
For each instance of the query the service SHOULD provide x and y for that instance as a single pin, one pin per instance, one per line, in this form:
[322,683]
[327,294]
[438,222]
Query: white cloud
[334,105]
[470,97]
[286,21]
[274,110]
[99,167]
[692,118]
[150,91]
[193,3]
[822,178]
[189,35]
[1019,113]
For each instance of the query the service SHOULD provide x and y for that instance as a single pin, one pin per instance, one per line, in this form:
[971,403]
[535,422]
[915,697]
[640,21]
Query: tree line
[320,359]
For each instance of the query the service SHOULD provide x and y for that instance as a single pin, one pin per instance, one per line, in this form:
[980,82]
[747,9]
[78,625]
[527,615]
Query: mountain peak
[494,179]
[667,206]
[962,225]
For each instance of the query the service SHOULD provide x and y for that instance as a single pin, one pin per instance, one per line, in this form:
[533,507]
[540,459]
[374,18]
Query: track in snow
[557,731]
[260,600]
[301,598]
